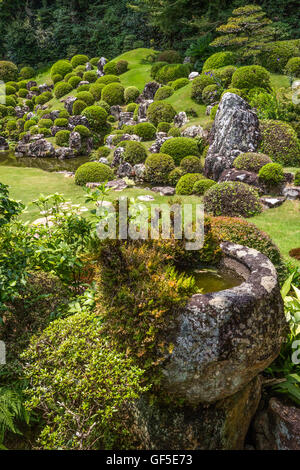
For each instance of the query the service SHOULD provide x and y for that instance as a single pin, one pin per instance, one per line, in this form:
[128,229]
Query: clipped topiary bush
[44,98]
[45,123]
[155,69]
[57,78]
[158,166]
[96,90]
[280,142]
[74,81]
[180,83]
[170,72]
[218,60]
[251,76]
[96,117]
[174,132]
[61,89]
[213,112]
[163,127]
[251,161]
[93,172]
[297,178]
[83,131]
[79,59]
[27,72]
[235,91]
[293,67]
[203,185]
[224,74]
[61,67]
[186,183]
[169,56]
[275,55]
[121,66]
[131,94]
[198,85]
[86,96]
[61,122]
[180,147]
[90,76]
[191,164]
[163,93]
[78,107]
[175,175]
[8,71]
[103,152]
[107,79]
[84,87]
[110,68]
[145,130]
[211,94]
[159,111]
[271,175]
[62,138]
[113,94]
[28,124]
[135,152]
[233,199]
[131,107]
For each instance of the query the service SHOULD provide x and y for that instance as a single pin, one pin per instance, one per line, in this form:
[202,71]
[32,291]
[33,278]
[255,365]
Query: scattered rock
[125,169]
[44,87]
[149,91]
[30,84]
[78,121]
[118,156]
[3,144]
[146,198]
[139,171]
[117,185]
[193,75]
[21,111]
[88,67]
[209,108]
[115,111]
[155,147]
[68,103]
[103,160]
[142,111]
[64,152]
[40,148]
[100,65]
[244,176]
[54,114]
[271,202]
[193,132]
[291,192]
[75,141]
[164,190]
[56,129]
[180,119]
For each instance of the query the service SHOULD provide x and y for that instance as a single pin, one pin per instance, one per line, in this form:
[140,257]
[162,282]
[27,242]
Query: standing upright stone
[235,131]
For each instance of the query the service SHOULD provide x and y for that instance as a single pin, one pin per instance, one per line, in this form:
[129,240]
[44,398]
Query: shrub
[62,138]
[70,75]
[218,60]
[84,87]
[93,172]
[225,74]
[174,132]
[34,130]
[170,72]
[158,166]
[293,67]
[11,125]
[3,111]
[57,78]
[135,152]
[251,76]
[96,117]
[113,94]
[180,147]
[74,81]
[211,94]
[251,161]
[78,107]
[122,66]
[45,123]
[131,94]
[297,178]
[275,55]
[61,89]
[131,107]
[96,90]
[90,76]
[203,185]
[107,79]
[94,61]
[86,96]
[28,124]
[61,67]
[10,90]
[198,85]
[22,84]
[8,71]
[159,111]
[175,175]
[11,101]
[180,83]
[145,130]
[163,93]
[45,131]
[44,98]
[191,164]
[110,68]
[61,122]
[27,72]
[169,56]
[280,142]
[23,93]
[163,127]
[104,105]
[186,183]
[30,104]
[155,69]
[103,152]
[83,131]
[213,112]
[271,175]
[235,91]
[233,199]
[79,59]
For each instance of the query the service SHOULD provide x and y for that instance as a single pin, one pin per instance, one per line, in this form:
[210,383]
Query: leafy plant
[11,410]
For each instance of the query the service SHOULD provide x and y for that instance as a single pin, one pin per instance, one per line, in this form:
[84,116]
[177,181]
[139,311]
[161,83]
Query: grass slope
[138,73]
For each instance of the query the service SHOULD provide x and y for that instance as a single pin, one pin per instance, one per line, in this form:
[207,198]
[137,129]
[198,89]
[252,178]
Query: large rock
[118,156]
[235,130]
[193,75]
[194,131]
[142,111]
[3,144]
[222,340]
[75,141]
[180,119]
[68,103]
[30,84]
[277,427]
[78,121]
[115,111]
[221,426]
[100,65]
[125,170]
[41,148]
[292,192]
[243,176]
[64,152]
[149,91]
[161,137]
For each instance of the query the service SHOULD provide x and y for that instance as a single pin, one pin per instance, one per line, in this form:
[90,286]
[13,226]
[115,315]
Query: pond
[47,164]
[215,280]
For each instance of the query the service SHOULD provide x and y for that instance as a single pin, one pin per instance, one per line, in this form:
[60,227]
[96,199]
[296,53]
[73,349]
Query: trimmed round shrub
[174,132]
[45,123]
[86,96]
[251,76]
[155,69]
[74,81]
[62,138]
[213,112]
[61,122]
[78,107]
[180,83]
[191,164]
[90,76]
[22,84]
[3,111]
[159,111]
[275,55]
[203,185]
[113,94]
[28,124]
[175,175]
[158,166]
[96,117]
[10,90]
[11,125]
[131,107]
[93,172]
[10,101]
[57,78]
[280,142]
[251,161]
[79,59]
[34,130]
[103,152]
[8,71]
[293,67]
[163,127]
[69,75]
[27,72]
[145,130]
[45,131]
[198,85]
[94,61]
[96,90]
[107,79]
[218,60]
[186,183]
[122,66]
[180,147]
[30,104]
[61,67]
[163,93]
[104,105]
[82,130]
[131,94]
[271,175]
[63,114]
[61,89]
[135,152]
[110,68]
[297,178]
[211,94]
[233,199]
[170,72]
[83,87]
[169,56]
[225,74]
[22,93]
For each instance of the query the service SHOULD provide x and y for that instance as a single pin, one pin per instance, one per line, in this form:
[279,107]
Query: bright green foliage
[224,75]
[8,71]
[160,112]
[74,81]
[251,161]
[61,122]
[271,175]
[61,89]
[170,72]
[198,85]
[106,79]
[110,68]
[174,132]
[62,138]
[79,59]
[78,107]
[82,130]
[61,67]
[213,111]
[292,68]
[113,94]
[135,152]
[46,123]
[93,172]
[175,175]
[180,147]
[163,93]
[131,107]
[44,97]
[131,94]
[180,83]
[96,117]
[203,185]
[56,78]
[90,76]
[211,94]
[28,124]
[145,130]
[86,96]
[275,55]
[297,178]
[122,66]
[191,164]
[11,410]
[27,72]
[169,56]
[232,199]
[163,127]
[280,142]
[158,166]
[186,183]
[251,76]
[218,60]
[156,68]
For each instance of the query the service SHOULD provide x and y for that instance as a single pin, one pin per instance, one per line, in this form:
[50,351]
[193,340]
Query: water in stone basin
[46,164]
[215,280]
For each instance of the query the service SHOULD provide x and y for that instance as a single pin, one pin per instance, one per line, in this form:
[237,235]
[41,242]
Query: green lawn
[139,71]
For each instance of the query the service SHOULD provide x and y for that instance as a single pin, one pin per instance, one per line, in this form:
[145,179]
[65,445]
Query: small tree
[246,32]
